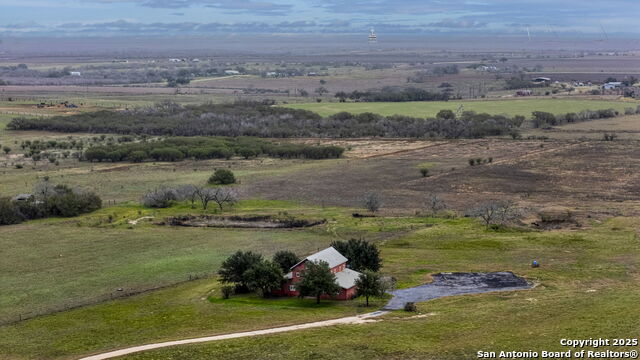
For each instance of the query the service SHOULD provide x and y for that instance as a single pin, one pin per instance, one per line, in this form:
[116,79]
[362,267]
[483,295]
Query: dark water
[449,284]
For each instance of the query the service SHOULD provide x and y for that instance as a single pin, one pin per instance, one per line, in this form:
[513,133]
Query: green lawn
[186,310]
[430,108]
[587,286]
[53,264]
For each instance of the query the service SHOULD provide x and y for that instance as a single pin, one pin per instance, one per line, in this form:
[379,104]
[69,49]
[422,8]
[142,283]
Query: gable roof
[328,255]
[347,278]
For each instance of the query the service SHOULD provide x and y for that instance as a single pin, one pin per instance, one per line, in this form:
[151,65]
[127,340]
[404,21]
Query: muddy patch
[449,284]
[247,222]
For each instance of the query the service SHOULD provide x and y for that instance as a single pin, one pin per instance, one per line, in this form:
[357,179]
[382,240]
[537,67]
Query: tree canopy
[234,267]
[362,254]
[318,280]
[285,259]
[369,284]
[264,276]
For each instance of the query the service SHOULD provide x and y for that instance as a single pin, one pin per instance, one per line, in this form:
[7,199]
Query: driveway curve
[359,319]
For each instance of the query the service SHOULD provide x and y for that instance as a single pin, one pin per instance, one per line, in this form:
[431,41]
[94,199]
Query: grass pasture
[586,277]
[430,108]
[586,285]
[87,259]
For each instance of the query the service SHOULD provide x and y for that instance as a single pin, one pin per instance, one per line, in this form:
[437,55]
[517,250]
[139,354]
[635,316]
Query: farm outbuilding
[612,85]
[345,277]
[541,80]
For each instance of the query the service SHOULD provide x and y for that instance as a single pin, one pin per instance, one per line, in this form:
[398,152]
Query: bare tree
[496,212]
[161,197]
[188,192]
[205,195]
[372,202]
[221,196]
[435,203]
[225,196]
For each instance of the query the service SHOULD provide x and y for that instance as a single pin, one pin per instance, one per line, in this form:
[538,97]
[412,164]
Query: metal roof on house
[328,255]
[347,278]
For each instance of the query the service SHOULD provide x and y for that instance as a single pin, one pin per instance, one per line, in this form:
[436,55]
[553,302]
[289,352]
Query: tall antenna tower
[604,33]
[372,36]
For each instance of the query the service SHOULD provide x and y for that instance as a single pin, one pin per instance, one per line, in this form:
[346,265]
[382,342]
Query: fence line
[17,318]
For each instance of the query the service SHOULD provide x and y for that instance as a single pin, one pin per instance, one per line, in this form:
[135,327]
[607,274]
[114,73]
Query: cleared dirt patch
[246,222]
[594,178]
[449,284]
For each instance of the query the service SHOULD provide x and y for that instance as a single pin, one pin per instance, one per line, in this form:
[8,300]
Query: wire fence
[120,293]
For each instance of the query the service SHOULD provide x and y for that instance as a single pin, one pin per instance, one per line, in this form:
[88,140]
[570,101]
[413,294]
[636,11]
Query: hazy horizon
[301,44]
[569,18]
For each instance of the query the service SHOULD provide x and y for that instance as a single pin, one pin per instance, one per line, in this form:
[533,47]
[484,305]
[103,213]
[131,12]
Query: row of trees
[199,148]
[542,119]
[164,197]
[264,120]
[392,94]
[48,200]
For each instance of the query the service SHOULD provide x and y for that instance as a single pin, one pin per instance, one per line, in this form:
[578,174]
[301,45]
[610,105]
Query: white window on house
[297,274]
[292,288]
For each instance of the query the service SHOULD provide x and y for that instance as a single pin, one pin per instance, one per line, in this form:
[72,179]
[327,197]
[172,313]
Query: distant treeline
[200,148]
[263,120]
[391,94]
[541,119]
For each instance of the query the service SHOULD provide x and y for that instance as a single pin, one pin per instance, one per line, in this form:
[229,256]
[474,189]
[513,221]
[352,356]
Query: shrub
[555,214]
[424,171]
[227,291]
[9,213]
[410,307]
[372,202]
[67,203]
[542,118]
[160,198]
[249,152]
[222,177]
[167,154]
[137,156]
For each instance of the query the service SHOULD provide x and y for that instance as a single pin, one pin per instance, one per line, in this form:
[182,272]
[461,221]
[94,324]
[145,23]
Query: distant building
[75,73]
[489,68]
[524,93]
[232,72]
[345,277]
[540,80]
[612,85]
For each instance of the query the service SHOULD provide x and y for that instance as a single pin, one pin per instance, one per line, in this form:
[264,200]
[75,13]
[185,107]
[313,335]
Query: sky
[195,17]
